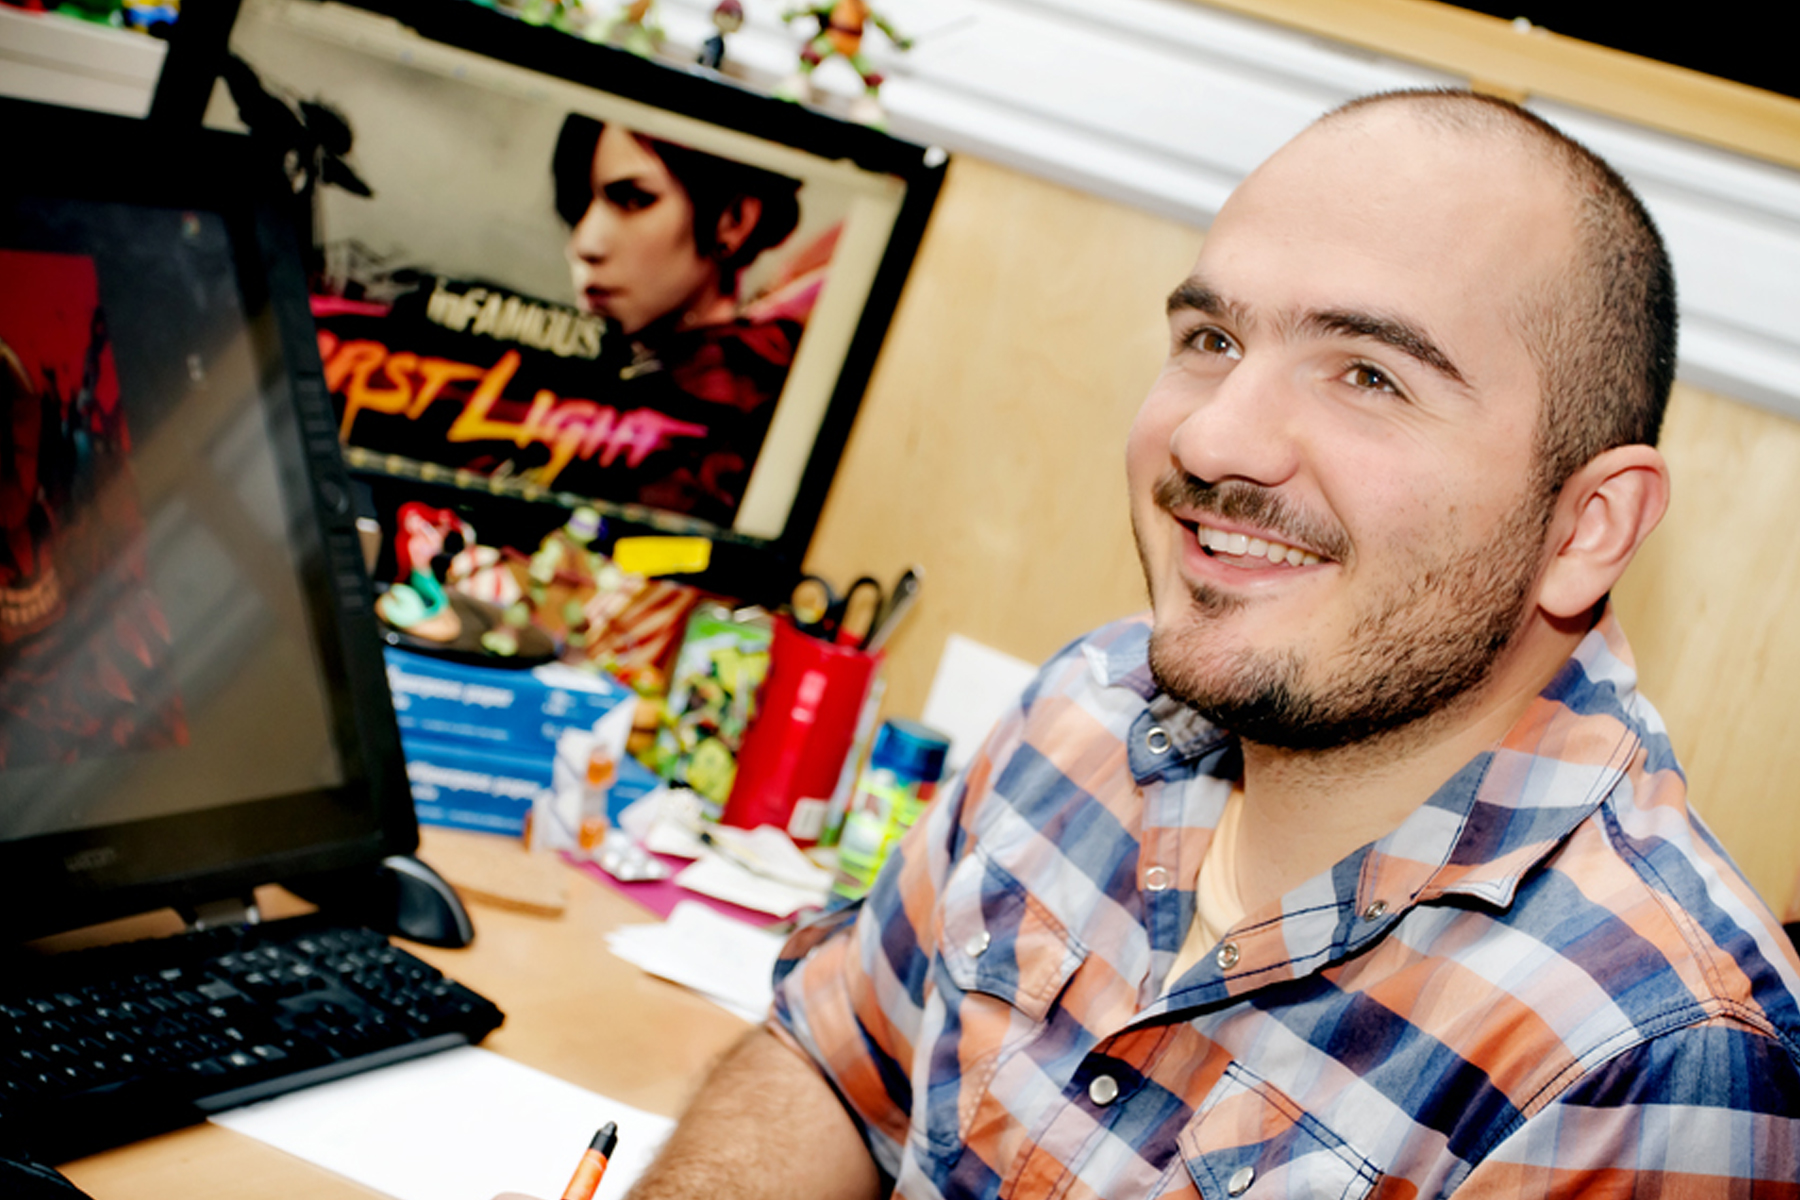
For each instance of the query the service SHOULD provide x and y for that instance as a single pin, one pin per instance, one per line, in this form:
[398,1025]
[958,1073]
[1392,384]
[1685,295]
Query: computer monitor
[192,699]
[492,331]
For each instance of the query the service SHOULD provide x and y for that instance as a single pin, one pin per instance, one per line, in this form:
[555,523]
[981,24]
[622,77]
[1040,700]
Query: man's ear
[736,224]
[1605,511]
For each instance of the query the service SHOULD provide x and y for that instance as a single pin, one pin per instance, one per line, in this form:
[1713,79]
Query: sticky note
[662,555]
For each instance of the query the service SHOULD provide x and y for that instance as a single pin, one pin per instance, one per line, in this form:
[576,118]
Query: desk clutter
[668,741]
[729,770]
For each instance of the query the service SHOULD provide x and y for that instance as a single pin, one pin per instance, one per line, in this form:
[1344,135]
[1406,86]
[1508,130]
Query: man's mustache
[1252,504]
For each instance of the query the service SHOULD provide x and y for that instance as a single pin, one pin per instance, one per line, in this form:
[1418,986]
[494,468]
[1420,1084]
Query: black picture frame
[756,555]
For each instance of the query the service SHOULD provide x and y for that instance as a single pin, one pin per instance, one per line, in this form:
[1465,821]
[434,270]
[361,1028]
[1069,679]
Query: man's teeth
[1236,543]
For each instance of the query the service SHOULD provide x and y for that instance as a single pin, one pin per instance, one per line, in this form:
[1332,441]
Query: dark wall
[1731,39]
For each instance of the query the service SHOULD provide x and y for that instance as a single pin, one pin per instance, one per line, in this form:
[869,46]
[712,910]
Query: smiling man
[1358,867]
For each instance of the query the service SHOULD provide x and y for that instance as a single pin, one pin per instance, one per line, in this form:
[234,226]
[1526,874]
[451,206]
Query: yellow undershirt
[1216,904]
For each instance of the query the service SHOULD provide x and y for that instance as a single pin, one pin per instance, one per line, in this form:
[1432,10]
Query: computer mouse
[399,896]
[426,908]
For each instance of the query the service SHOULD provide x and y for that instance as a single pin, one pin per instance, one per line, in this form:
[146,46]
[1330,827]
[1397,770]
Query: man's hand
[764,1126]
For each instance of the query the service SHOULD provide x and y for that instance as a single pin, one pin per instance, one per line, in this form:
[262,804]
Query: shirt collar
[1516,802]
[1498,816]
[1167,736]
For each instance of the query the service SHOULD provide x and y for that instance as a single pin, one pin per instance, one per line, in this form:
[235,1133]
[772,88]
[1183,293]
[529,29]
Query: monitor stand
[219,914]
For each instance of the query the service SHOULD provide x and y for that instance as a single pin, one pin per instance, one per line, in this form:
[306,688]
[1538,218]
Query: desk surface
[572,1010]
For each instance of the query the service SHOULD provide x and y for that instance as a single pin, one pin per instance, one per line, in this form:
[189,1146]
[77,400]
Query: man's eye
[1208,340]
[1362,375]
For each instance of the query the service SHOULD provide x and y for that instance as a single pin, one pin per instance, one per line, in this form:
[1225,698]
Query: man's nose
[1248,425]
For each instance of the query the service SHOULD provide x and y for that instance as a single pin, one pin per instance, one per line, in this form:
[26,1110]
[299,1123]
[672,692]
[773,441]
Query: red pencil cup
[805,722]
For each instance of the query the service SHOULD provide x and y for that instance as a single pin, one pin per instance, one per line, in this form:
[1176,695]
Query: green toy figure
[567,554]
[633,27]
[566,558]
[558,14]
[841,24]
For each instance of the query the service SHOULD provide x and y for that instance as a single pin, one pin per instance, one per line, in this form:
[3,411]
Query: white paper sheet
[727,961]
[462,1125]
[973,688]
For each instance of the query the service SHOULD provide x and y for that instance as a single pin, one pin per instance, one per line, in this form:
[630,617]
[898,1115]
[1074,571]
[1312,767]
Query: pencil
[593,1164]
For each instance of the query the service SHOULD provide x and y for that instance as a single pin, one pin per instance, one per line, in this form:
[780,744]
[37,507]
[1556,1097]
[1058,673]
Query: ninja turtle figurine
[841,25]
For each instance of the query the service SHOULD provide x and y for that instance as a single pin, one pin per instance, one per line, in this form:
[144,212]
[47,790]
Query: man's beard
[1425,642]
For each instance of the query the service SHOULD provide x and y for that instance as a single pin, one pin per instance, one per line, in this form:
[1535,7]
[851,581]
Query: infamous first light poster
[535,284]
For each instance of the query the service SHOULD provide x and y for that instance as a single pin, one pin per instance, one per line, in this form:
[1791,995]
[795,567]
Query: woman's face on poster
[632,253]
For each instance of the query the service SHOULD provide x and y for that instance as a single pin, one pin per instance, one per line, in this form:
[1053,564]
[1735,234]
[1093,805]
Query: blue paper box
[510,711]
[472,787]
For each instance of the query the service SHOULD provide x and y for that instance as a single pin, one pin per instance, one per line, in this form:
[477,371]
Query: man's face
[1330,479]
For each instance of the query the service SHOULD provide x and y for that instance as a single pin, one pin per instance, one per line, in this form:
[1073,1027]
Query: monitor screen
[191,701]
[553,271]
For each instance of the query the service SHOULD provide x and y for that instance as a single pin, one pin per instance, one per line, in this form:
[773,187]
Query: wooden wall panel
[1707,607]
[991,445]
[990,450]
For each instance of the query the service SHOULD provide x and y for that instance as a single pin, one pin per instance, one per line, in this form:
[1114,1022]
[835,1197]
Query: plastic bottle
[902,776]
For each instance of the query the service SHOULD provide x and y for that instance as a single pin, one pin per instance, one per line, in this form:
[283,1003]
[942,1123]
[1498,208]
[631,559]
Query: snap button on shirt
[1156,879]
[1375,910]
[1157,739]
[1103,1090]
[977,944]
[1227,957]
[1240,1181]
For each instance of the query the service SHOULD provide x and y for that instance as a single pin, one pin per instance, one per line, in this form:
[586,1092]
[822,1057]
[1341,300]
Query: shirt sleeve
[1707,1110]
[852,988]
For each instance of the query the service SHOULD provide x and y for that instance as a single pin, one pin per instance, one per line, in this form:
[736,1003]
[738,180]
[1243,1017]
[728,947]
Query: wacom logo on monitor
[91,860]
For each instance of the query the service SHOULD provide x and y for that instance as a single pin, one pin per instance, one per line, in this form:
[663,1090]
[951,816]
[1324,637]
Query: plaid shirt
[1549,978]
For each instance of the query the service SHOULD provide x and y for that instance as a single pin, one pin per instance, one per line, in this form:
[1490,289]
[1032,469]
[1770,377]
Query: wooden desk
[572,1010]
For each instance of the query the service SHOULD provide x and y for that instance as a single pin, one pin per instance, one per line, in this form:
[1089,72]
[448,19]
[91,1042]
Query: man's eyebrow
[1402,336]
[1193,295]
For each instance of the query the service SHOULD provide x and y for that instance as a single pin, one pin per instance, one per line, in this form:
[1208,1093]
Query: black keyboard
[106,1046]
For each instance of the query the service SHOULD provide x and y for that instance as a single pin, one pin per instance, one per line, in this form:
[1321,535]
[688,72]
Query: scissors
[906,590]
[846,619]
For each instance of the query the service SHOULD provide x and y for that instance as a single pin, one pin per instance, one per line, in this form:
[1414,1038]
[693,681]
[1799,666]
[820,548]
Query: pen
[749,861]
[593,1164]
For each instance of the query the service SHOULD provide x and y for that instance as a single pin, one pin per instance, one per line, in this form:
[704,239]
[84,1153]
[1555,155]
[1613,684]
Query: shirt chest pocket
[1249,1141]
[1003,959]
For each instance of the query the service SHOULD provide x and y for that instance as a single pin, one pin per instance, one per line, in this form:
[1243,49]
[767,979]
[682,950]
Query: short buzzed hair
[1603,335]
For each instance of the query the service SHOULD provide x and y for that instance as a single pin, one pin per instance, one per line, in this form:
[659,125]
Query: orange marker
[593,1164]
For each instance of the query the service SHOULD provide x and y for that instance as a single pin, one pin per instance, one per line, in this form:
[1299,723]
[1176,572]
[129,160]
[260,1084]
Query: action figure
[435,548]
[728,17]
[417,603]
[841,24]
